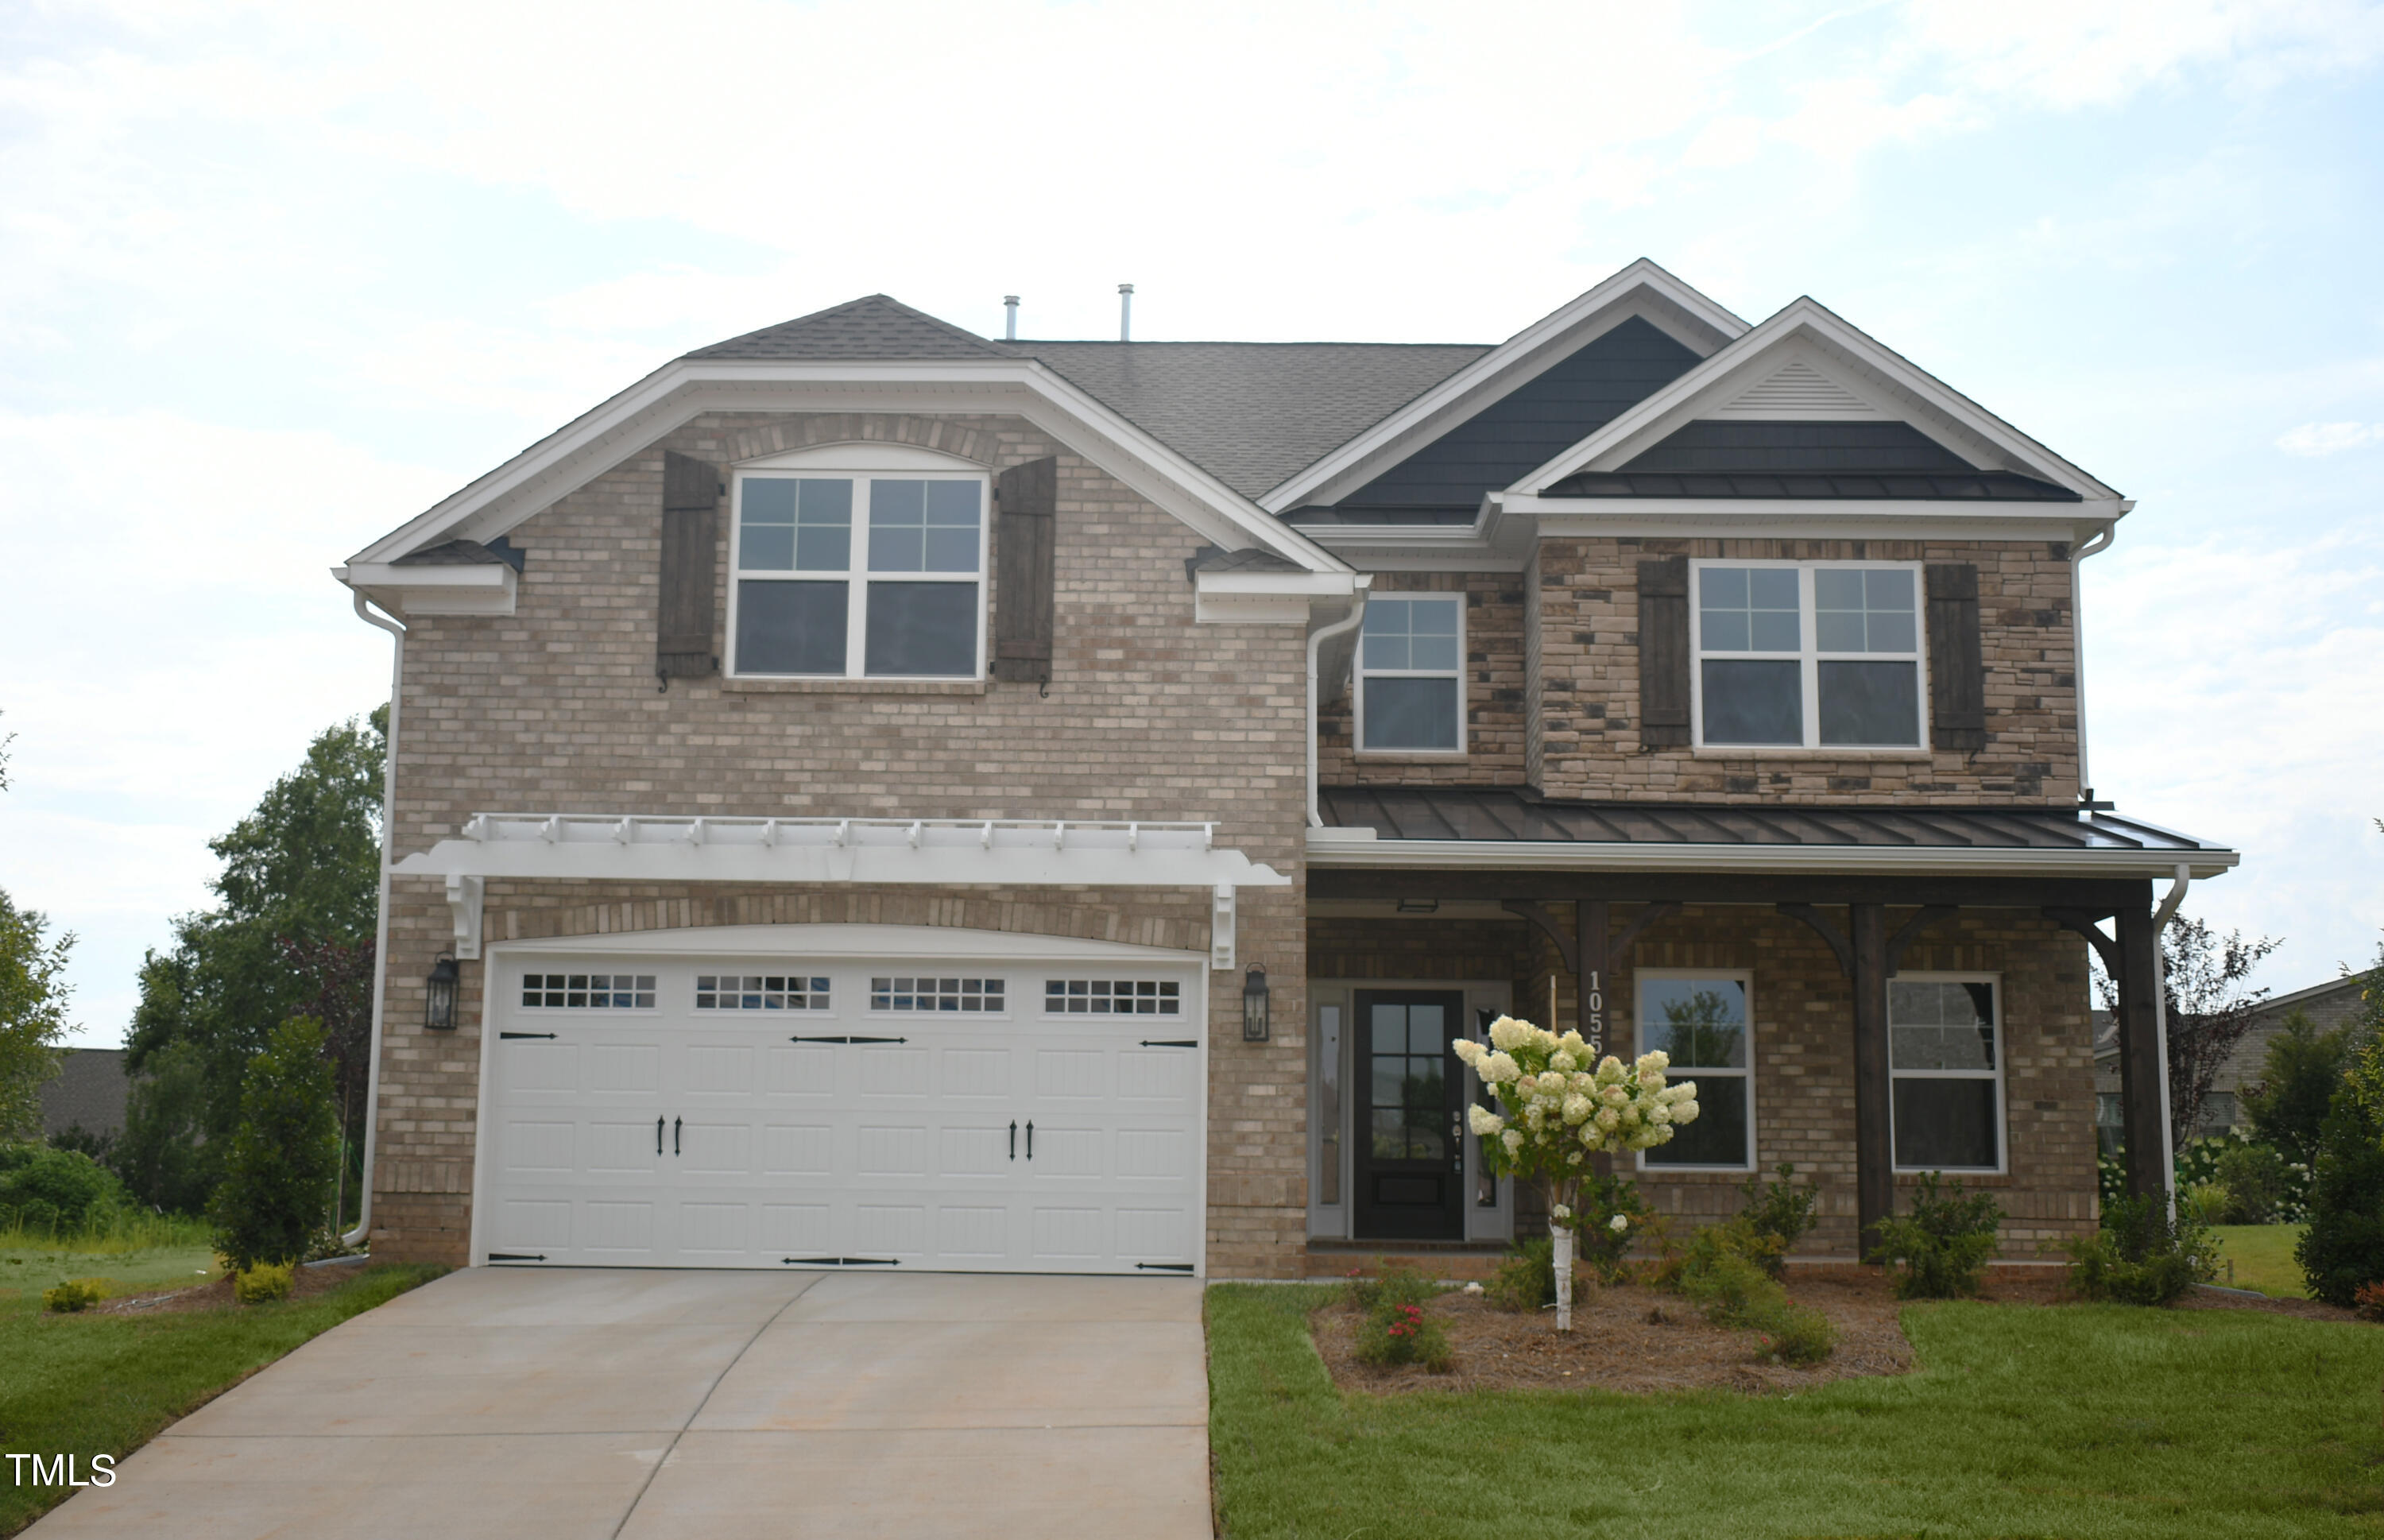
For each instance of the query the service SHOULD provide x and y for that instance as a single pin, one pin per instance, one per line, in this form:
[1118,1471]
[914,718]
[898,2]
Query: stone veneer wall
[1148,715]
[1585,696]
[1803,1026]
[1494,694]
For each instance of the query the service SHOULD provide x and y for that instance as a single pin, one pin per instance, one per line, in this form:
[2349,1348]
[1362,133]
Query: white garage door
[776,1112]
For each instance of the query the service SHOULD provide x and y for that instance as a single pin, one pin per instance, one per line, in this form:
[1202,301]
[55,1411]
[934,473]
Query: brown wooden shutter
[1025,571]
[691,552]
[1664,651]
[1957,679]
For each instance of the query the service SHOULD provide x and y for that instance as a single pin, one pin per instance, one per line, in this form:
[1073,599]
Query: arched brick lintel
[809,429]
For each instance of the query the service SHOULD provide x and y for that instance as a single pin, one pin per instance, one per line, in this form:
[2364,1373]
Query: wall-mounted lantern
[438,996]
[1254,1006]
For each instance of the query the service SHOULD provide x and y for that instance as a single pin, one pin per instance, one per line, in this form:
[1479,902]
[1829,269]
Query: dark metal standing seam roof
[1979,486]
[1503,814]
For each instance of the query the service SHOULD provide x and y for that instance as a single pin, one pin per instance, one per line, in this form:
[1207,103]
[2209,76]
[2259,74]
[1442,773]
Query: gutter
[381,939]
[2101,541]
[1316,641]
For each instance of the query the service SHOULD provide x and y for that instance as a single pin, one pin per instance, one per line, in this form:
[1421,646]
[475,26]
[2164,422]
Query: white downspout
[1316,641]
[381,942]
[2161,917]
[2101,541]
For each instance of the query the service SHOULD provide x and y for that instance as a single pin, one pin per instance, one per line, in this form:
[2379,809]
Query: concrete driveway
[645,1405]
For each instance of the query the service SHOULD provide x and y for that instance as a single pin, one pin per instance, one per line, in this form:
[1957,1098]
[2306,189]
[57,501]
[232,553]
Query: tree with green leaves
[33,1014]
[2297,1079]
[275,1192]
[292,935]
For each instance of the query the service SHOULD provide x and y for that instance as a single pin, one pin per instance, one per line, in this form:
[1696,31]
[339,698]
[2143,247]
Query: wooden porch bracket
[1929,917]
[1567,944]
[2089,924]
[1838,944]
[2127,958]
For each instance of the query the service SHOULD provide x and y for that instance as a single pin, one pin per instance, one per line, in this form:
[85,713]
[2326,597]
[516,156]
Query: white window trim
[871,1009]
[519,975]
[1745,977]
[1183,992]
[1362,674]
[2002,1054]
[1809,657]
[856,575]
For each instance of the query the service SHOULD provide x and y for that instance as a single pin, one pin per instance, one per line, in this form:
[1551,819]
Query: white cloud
[2314,438]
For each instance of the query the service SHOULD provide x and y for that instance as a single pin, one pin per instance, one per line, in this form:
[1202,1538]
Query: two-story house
[870,795]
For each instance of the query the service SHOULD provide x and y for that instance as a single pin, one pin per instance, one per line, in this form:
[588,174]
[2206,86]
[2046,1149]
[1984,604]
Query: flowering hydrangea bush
[1557,1108]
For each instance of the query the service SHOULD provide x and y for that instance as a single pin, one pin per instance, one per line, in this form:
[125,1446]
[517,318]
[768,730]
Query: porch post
[1874,1148]
[2139,1066]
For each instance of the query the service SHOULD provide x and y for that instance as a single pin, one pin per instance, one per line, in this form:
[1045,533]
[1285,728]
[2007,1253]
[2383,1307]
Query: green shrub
[1394,1282]
[44,1188]
[2288,1108]
[1396,1333]
[1942,1247]
[2207,1203]
[1598,1243]
[75,1293]
[266,1281]
[2139,1257]
[1724,1272]
[1526,1279]
[276,1187]
[2344,1245]
[2263,1188]
[1779,1214]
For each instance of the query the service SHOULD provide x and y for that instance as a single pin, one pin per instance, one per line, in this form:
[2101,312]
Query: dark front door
[1411,1149]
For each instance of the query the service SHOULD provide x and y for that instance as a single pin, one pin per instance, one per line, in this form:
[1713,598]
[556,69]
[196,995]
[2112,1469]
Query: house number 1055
[1593,1012]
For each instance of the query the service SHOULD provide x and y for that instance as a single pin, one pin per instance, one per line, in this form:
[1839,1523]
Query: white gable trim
[1810,332]
[632,420]
[1643,289]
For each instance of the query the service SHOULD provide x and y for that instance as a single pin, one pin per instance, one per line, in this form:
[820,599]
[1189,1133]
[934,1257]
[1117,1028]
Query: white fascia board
[1264,597]
[1814,518]
[1337,847]
[1642,288]
[829,942]
[484,588]
[1667,409]
[680,391]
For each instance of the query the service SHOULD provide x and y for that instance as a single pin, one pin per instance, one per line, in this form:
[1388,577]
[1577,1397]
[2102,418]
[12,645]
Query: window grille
[760,992]
[587,991]
[977,995]
[1111,997]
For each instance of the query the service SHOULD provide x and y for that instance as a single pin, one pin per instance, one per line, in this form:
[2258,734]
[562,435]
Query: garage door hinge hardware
[848,1040]
[1164,1267]
[675,1128]
[1030,1139]
[658,1135]
[1171,1042]
[841,1261]
[525,1034]
[515,1257]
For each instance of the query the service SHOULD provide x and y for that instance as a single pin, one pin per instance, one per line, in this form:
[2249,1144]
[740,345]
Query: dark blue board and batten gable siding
[1531,425]
[1726,446]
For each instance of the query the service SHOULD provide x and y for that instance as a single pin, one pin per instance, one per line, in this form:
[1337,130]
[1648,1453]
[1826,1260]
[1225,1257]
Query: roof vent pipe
[1125,312]
[1010,332]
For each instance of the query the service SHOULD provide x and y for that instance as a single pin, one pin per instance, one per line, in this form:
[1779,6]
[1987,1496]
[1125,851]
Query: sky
[274,278]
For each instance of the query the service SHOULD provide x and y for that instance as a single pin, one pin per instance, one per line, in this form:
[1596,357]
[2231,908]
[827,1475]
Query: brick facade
[1494,682]
[1148,715]
[1803,1014]
[1582,683]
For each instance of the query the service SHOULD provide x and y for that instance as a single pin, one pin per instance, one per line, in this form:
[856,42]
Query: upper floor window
[1809,656]
[1411,685]
[854,576]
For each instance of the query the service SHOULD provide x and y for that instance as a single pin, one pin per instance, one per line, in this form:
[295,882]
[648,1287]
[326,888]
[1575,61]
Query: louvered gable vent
[1797,390]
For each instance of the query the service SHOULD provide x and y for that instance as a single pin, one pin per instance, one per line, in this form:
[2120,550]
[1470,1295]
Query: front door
[1411,1149]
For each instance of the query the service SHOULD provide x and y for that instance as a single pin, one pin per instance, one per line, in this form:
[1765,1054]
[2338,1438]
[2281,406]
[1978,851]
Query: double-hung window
[1701,1020]
[1946,1063]
[1809,656]
[1410,681]
[859,576]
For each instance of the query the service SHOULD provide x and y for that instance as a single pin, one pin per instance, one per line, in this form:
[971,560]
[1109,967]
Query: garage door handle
[1171,1042]
[658,1135]
[675,1125]
[1013,1138]
[1030,1139]
[848,1040]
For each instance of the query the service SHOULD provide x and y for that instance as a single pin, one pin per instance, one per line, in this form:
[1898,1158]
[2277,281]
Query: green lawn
[87,1384]
[2078,1420]
[2263,1258]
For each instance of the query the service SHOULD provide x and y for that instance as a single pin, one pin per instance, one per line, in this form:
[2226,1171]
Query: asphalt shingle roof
[873,327]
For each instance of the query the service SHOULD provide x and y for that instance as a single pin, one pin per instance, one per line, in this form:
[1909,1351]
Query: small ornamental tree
[276,1186]
[1557,1111]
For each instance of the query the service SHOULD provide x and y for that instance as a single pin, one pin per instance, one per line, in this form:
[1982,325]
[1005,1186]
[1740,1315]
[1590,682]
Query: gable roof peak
[875,325]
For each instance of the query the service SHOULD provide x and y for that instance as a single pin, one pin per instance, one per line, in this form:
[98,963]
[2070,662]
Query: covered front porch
[1867,993]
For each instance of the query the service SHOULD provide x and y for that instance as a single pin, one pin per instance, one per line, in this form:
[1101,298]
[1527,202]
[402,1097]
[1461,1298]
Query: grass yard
[2263,1258]
[2076,1420]
[89,1384]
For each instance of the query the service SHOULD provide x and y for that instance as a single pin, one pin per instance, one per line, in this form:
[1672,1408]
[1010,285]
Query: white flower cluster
[1558,1107]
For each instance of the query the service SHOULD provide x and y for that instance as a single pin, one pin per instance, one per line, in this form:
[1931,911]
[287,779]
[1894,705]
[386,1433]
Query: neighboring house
[88,1093]
[2328,1005]
[871,795]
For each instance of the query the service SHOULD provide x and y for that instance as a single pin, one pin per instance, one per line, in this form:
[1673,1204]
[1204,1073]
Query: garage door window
[760,992]
[1111,997]
[587,991]
[903,995]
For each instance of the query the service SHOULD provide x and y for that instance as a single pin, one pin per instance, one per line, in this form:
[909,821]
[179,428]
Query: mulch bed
[304,1283]
[1632,1337]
